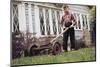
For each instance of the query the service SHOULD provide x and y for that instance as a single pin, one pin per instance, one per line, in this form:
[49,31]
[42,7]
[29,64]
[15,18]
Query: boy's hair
[65,7]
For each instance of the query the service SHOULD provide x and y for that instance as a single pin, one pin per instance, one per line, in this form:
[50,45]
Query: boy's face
[66,11]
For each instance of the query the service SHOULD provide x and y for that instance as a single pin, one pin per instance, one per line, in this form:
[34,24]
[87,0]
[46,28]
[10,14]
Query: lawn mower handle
[60,34]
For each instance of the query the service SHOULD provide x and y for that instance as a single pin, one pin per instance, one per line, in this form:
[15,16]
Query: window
[15,18]
[75,15]
[33,17]
[54,22]
[47,21]
[86,22]
[79,25]
[41,16]
[58,18]
[27,16]
[83,20]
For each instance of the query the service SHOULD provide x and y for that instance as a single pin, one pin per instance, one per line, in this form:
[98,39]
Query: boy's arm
[74,20]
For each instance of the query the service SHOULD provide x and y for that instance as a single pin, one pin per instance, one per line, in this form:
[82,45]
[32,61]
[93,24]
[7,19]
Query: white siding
[34,25]
[37,21]
[22,18]
[51,22]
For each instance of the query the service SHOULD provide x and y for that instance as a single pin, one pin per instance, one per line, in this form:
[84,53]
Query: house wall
[29,20]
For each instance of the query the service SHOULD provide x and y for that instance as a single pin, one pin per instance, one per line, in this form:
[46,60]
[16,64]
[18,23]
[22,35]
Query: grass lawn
[84,54]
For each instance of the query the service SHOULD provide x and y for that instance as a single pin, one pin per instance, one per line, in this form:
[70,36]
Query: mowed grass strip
[84,54]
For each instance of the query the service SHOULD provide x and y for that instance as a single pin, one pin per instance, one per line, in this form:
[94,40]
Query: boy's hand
[72,25]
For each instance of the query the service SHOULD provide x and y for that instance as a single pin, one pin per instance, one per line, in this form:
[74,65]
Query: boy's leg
[72,38]
[65,40]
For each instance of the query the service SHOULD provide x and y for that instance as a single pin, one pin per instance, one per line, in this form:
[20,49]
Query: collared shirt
[67,18]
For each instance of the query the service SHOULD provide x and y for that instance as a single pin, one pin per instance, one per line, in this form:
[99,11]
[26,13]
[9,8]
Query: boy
[67,21]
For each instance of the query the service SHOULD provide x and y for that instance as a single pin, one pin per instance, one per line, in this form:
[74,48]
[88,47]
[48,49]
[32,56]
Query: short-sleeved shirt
[67,18]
